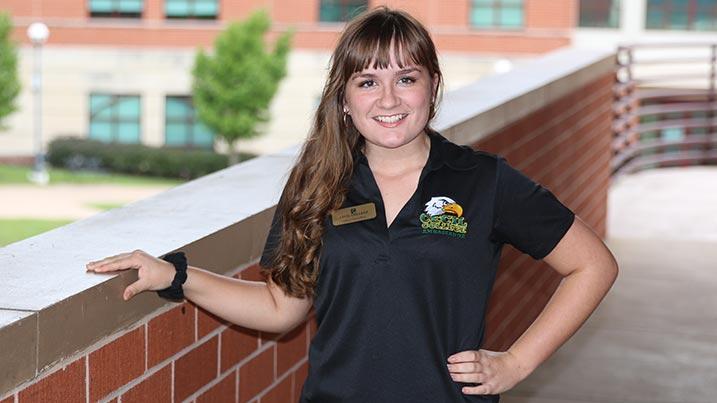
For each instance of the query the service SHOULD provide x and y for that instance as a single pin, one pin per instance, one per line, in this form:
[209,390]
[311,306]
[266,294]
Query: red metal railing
[665,106]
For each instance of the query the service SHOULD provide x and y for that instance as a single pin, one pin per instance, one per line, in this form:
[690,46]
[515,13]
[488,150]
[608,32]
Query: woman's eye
[367,83]
[406,80]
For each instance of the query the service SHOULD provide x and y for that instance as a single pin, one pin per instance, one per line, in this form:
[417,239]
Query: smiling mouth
[391,118]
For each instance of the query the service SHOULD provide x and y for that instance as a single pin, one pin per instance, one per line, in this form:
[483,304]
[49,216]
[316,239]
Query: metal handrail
[665,112]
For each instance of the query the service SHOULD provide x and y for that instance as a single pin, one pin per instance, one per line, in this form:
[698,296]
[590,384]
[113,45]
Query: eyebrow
[398,73]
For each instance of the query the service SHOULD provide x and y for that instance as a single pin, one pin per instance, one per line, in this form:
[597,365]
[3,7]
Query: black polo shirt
[393,303]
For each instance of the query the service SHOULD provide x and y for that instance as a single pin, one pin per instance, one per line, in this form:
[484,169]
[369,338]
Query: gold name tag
[349,215]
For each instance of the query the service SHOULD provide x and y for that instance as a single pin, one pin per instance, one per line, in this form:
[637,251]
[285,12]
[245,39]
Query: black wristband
[175,291]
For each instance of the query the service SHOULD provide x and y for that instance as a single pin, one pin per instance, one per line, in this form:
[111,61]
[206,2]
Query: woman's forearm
[590,270]
[251,304]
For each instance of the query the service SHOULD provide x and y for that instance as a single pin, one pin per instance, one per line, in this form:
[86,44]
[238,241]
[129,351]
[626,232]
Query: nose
[389,98]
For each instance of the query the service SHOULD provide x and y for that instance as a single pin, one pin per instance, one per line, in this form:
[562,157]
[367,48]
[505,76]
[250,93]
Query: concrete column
[632,18]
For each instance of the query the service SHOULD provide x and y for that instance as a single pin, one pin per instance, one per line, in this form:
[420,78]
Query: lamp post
[38,33]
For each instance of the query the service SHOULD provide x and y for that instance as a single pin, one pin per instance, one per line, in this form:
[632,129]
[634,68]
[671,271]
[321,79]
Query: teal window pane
[128,132]
[488,3]
[482,17]
[704,24]
[206,8]
[599,13]
[182,127]
[654,20]
[101,131]
[329,13]
[203,136]
[100,6]
[128,108]
[176,8]
[104,114]
[130,6]
[99,102]
[678,21]
[175,134]
[512,3]
[700,15]
[705,16]
[177,108]
[115,118]
[511,17]
[340,10]
[674,135]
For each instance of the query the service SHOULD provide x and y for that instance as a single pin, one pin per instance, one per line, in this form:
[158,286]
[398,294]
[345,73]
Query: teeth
[390,119]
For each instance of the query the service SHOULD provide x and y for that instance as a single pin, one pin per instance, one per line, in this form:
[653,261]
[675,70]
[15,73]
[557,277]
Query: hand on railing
[154,274]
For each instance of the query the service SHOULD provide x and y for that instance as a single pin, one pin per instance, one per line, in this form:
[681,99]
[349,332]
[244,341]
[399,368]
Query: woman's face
[390,107]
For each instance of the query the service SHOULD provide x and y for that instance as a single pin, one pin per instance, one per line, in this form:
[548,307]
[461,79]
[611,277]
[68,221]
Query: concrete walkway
[654,338]
[67,201]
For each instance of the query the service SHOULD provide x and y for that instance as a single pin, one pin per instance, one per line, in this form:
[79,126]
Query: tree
[9,80]
[234,86]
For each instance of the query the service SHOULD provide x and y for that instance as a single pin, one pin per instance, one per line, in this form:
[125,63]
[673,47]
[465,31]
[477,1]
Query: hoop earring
[346,113]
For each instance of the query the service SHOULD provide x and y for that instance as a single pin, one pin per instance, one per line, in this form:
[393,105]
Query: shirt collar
[444,152]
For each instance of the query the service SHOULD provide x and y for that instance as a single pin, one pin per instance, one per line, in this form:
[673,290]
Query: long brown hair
[319,180]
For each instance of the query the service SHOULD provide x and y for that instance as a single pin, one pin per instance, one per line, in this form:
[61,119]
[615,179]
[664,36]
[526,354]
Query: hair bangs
[380,44]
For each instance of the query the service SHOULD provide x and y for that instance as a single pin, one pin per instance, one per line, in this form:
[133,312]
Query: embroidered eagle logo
[443,205]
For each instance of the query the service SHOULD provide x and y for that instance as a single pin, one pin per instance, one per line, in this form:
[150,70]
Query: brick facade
[181,354]
[548,24]
[565,146]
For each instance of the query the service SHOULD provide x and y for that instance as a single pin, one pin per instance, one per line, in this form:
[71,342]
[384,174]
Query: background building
[119,70]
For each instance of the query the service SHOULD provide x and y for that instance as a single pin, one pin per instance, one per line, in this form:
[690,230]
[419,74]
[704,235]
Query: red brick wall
[187,353]
[153,10]
[550,14]
[565,146]
[547,24]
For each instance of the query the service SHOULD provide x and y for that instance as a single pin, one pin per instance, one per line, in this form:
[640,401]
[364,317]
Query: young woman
[394,234]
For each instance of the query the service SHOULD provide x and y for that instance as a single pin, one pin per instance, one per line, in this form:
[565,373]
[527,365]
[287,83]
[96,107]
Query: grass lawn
[106,206]
[13,230]
[12,174]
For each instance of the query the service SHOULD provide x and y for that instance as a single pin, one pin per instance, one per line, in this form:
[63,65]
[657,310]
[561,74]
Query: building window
[208,9]
[689,15]
[497,13]
[115,118]
[116,8]
[600,13]
[341,10]
[182,128]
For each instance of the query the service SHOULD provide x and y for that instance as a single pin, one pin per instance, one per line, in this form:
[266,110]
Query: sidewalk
[67,201]
[654,337]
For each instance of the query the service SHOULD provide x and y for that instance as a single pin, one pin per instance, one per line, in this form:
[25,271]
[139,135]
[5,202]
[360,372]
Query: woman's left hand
[496,372]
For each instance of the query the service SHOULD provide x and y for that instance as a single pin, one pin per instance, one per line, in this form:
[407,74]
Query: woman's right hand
[154,274]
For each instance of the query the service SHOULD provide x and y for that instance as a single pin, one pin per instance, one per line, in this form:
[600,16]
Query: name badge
[353,214]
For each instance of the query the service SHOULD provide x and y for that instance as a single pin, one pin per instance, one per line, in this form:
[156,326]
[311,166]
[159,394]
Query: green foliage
[106,205]
[9,80]
[234,87]
[17,229]
[135,159]
[12,174]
